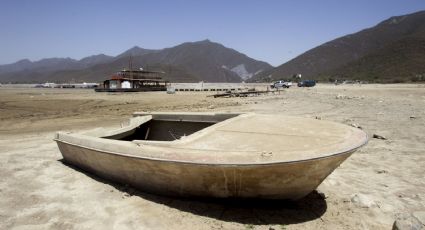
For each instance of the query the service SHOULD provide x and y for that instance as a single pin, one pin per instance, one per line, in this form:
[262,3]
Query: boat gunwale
[332,155]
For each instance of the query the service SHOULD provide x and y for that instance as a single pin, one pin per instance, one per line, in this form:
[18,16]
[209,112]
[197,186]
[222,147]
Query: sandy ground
[38,191]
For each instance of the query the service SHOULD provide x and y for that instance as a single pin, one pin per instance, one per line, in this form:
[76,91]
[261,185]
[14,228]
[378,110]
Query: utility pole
[131,67]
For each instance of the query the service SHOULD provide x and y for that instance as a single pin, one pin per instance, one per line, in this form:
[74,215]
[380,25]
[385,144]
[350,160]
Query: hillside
[383,51]
[54,64]
[189,62]
[212,61]
[401,61]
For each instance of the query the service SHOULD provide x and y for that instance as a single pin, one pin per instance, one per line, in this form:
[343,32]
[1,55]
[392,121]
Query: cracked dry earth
[368,191]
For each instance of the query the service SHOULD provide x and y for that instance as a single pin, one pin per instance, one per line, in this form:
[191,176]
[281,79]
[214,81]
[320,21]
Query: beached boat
[215,154]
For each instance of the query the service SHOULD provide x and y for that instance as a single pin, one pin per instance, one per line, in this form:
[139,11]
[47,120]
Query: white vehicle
[281,84]
[49,85]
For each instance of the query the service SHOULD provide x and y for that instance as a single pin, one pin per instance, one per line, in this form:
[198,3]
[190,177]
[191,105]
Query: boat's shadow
[249,211]
[244,211]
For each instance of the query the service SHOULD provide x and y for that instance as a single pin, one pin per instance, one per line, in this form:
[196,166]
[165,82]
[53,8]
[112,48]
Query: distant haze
[271,31]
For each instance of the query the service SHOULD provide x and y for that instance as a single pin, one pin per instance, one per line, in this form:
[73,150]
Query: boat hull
[281,180]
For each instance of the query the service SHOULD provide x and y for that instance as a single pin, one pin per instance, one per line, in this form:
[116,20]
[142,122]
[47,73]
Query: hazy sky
[272,31]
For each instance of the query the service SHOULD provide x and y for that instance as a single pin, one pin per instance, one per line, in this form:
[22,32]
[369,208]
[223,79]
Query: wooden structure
[240,94]
[134,81]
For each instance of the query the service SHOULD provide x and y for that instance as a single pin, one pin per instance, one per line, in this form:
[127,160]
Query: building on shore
[134,81]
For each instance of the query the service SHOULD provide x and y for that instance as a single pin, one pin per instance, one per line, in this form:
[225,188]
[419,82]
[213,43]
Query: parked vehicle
[307,83]
[281,84]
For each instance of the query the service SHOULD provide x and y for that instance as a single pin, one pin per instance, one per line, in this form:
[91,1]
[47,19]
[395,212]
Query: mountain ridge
[332,59]
[189,61]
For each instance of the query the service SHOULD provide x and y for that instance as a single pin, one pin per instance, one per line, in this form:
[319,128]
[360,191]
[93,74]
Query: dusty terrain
[368,191]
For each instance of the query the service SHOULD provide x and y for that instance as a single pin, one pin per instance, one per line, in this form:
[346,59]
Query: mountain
[136,51]
[188,62]
[401,61]
[211,61]
[48,65]
[391,50]
[95,59]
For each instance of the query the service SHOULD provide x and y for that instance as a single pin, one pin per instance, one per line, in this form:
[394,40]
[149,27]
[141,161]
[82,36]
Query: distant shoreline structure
[83,85]
[134,81]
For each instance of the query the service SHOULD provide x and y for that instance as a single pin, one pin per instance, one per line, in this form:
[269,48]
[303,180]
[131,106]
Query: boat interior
[166,126]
